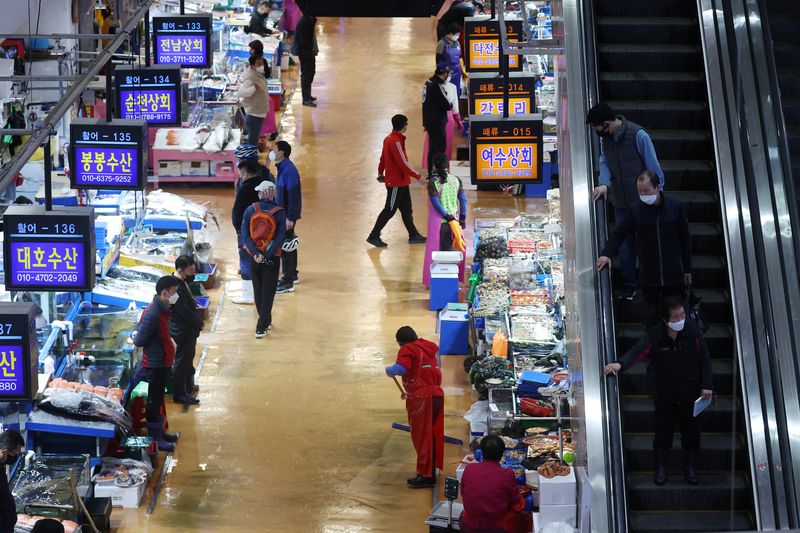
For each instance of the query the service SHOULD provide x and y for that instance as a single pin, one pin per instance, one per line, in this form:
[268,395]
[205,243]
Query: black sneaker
[309,103]
[377,242]
[421,482]
[313,98]
[284,287]
[628,295]
[260,334]
[417,239]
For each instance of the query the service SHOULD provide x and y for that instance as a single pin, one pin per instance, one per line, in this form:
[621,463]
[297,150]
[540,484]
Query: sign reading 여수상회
[49,250]
[506,150]
[183,40]
[482,44]
[19,351]
[108,155]
[152,94]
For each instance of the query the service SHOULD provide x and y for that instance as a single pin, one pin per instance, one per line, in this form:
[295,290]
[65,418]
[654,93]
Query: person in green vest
[448,199]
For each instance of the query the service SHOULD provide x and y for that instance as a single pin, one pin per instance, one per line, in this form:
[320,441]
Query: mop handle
[400,387]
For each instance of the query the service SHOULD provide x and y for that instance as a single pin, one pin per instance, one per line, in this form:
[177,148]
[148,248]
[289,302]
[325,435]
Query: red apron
[424,403]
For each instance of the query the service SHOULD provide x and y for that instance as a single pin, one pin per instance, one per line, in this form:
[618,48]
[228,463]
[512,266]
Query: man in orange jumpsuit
[422,379]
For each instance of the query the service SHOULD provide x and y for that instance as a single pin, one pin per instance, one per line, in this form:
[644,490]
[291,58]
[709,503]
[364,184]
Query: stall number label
[12,375]
[181,50]
[506,161]
[151,105]
[106,166]
[48,263]
[492,106]
[486,54]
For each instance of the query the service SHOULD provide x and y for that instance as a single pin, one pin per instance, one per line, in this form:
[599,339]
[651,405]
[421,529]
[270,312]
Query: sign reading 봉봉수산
[49,250]
[506,150]
[152,94]
[108,155]
[183,40]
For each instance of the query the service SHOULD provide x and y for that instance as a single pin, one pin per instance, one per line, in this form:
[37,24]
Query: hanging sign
[506,150]
[482,44]
[151,94]
[183,40]
[108,155]
[49,250]
[486,93]
[19,352]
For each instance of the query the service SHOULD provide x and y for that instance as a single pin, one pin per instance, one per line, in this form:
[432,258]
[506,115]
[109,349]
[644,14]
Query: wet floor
[294,431]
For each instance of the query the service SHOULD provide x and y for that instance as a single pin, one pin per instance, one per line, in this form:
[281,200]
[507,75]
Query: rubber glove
[458,237]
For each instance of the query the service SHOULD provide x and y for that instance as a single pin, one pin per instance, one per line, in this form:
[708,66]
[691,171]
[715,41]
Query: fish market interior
[213,317]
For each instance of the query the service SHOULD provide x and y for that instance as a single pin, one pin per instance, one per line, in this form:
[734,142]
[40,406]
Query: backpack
[263,227]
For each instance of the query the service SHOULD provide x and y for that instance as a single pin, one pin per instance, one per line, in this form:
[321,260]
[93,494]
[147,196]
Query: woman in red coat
[422,379]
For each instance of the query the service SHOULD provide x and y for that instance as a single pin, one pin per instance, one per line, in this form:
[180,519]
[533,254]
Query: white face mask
[454,37]
[173,298]
[649,199]
[272,156]
[676,326]
[260,69]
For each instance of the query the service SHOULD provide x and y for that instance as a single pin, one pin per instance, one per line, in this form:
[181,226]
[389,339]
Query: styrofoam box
[169,168]
[469,459]
[548,514]
[560,490]
[195,168]
[532,478]
[126,497]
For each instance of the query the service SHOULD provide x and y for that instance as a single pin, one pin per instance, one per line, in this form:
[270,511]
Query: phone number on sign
[46,278]
[8,386]
[182,59]
[104,178]
[148,116]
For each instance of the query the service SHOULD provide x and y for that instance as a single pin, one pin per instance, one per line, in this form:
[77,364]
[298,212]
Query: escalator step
[701,206]
[646,30]
[637,380]
[638,414]
[692,147]
[791,109]
[714,455]
[665,114]
[637,8]
[714,492]
[649,57]
[783,27]
[652,86]
[685,174]
[786,54]
[689,521]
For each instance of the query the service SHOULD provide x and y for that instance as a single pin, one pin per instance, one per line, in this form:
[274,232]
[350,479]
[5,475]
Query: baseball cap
[264,186]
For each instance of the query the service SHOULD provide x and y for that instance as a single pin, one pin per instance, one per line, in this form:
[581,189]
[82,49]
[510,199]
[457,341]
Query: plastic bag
[694,309]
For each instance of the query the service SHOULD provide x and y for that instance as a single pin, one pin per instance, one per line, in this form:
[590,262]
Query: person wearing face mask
[435,108]
[289,196]
[448,52]
[680,368]
[626,151]
[152,335]
[11,444]
[254,94]
[447,202]
[184,327]
[660,229]
[259,21]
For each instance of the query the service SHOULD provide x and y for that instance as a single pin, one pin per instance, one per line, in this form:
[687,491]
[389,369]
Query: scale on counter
[445,516]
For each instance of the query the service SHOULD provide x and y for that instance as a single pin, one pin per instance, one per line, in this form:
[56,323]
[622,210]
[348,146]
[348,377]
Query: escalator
[783,21]
[650,68]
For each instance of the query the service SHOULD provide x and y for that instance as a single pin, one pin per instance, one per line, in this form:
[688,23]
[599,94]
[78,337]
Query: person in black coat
[251,173]
[258,21]
[459,10]
[663,244]
[184,328]
[305,47]
[680,371]
[11,444]
[435,106]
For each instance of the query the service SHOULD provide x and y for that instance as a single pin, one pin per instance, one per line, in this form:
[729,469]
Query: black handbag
[694,309]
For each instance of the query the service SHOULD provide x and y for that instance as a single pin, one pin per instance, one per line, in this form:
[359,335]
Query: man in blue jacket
[264,265]
[288,196]
[152,334]
[663,244]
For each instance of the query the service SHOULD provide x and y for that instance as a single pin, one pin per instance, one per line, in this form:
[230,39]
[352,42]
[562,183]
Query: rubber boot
[246,298]
[689,468]
[156,432]
[662,456]
[169,437]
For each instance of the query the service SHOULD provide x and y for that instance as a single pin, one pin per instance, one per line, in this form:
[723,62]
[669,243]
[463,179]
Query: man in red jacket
[422,380]
[395,172]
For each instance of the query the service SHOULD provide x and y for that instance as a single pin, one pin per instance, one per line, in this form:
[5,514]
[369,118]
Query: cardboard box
[168,168]
[126,497]
[560,490]
[549,514]
[195,168]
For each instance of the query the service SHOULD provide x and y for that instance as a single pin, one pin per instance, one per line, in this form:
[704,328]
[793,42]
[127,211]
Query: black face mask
[604,133]
[11,460]
[190,279]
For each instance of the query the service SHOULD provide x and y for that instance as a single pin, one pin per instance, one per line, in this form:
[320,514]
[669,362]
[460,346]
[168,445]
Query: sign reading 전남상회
[49,250]
[19,352]
[486,93]
[108,155]
[183,40]
[482,44]
[152,94]
[506,150]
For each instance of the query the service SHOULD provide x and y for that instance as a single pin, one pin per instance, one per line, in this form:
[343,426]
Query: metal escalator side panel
[741,250]
[598,447]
